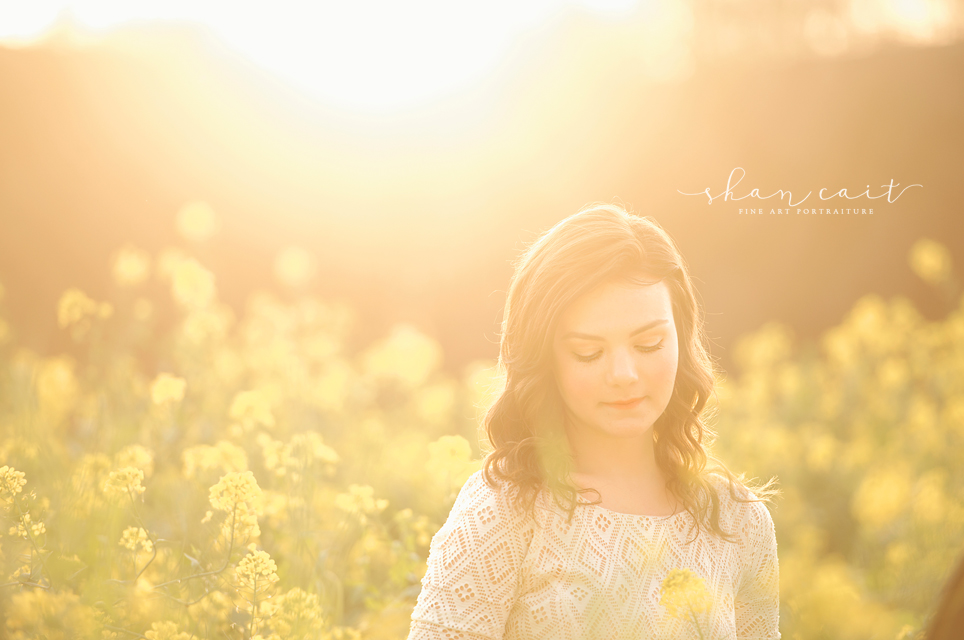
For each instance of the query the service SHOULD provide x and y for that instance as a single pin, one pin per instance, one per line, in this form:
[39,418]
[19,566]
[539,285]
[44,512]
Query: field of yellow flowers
[244,477]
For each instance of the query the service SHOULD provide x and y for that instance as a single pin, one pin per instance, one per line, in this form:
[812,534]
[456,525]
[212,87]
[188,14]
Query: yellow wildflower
[207,323]
[257,569]
[131,266]
[165,631]
[273,452]
[298,615]
[343,633]
[767,346]
[74,306]
[224,455]
[892,373]
[294,267]
[415,531]
[360,500]
[11,481]
[167,388]
[448,450]
[57,387]
[196,221]
[820,451]
[251,408]
[450,459]
[930,505]
[191,284]
[125,481]
[243,525]
[330,390]
[306,448]
[40,613]
[87,482]
[218,607]
[26,528]
[300,453]
[684,594]
[134,537]
[235,488]
[882,496]
[434,403]
[407,355]
[930,260]
[136,456]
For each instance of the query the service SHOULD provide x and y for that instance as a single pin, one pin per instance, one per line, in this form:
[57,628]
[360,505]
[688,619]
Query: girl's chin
[627,429]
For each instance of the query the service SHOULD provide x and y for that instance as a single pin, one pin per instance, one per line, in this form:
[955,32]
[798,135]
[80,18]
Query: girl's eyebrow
[585,336]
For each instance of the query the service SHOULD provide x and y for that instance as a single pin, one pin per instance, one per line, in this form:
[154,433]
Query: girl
[607,375]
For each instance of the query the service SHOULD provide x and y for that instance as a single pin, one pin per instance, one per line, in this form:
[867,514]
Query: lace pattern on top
[496,573]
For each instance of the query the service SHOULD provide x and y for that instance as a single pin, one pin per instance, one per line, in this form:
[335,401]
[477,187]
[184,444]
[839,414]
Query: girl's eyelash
[587,358]
[643,349]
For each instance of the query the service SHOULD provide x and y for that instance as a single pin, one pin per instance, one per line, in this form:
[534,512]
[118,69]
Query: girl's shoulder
[487,500]
[478,490]
[741,509]
[484,520]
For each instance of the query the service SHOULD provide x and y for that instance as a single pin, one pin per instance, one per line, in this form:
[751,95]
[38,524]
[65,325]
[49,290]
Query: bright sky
[381,55]
[368,54]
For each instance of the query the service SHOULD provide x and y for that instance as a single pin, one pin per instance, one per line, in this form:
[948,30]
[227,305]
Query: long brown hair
[948,618]
[525,425]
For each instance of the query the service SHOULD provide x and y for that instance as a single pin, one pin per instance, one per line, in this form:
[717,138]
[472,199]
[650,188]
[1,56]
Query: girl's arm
[758,597]
[474,564]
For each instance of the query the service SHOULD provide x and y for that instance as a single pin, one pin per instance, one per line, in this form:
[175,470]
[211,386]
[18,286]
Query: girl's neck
[615,459]
[622,470]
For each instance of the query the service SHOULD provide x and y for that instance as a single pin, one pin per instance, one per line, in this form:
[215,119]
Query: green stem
[122,630]
[693,619]
[33,543]
[227,558]
[140,523]
[254,605]
[25,584]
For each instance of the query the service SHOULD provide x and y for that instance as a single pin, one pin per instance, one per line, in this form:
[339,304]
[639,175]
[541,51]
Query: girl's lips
[629,404]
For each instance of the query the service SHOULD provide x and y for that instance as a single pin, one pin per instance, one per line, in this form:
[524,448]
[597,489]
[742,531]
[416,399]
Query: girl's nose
[622,368]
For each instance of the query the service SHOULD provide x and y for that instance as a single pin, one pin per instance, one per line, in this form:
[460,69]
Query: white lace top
[495,572]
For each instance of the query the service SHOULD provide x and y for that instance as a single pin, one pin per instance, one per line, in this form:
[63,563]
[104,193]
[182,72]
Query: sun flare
[371,55]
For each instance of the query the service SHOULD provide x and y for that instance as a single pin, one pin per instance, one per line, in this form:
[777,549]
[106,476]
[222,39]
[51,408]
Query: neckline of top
[622,514]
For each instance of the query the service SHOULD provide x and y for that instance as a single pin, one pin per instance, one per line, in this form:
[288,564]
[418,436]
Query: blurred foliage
[865,431]
[260,481]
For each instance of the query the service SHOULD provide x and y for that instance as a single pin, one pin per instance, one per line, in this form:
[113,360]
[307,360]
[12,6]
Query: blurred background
[276,239]
[412,149]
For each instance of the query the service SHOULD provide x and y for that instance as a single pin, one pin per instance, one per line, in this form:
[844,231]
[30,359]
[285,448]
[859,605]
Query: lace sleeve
[758,597]
[474,562]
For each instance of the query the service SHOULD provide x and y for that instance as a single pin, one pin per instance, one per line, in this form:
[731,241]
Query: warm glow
[370,54]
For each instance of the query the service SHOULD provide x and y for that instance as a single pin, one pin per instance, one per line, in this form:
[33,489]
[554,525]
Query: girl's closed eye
[588,358]
[641,348]
[650,348]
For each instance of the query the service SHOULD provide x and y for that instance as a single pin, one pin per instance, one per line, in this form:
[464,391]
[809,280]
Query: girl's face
[616,354]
